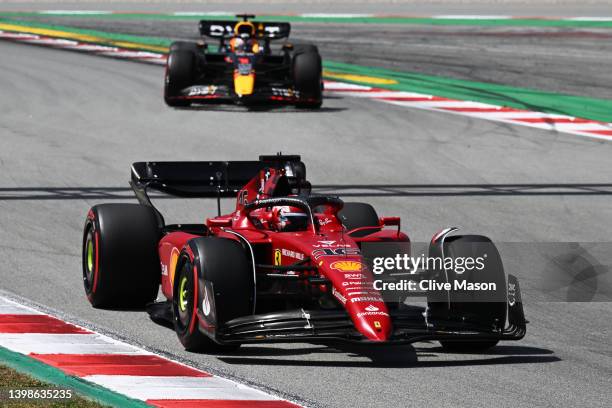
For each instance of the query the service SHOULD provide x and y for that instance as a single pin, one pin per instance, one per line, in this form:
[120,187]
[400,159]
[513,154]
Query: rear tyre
[303,48]
[307,76]
[489,314]
[120,259]
[180,73]
[358,215]
[224,264]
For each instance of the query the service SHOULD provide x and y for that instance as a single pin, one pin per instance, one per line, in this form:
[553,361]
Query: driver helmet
[288,219]
[238,44]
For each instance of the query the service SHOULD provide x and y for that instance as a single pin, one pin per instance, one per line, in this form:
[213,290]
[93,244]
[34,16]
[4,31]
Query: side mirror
[219,222]
[389,221]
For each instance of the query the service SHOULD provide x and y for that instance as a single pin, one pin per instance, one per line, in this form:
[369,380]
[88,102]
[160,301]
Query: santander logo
[371,308]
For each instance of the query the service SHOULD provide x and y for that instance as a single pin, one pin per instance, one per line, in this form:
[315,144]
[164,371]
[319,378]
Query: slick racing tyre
[358,215]
[304,48]
[120,259]
[307,76]
[180,72]
[214,285]
[486,309]
[184,46]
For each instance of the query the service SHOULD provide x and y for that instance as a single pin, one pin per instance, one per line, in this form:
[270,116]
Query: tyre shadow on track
[388,356]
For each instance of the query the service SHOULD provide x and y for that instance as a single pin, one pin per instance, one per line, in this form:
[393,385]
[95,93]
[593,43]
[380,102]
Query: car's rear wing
[204,179]
[224,29]
[195,179]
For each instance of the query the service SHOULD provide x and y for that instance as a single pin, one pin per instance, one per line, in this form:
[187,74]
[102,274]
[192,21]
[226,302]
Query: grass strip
[45,373]
[455,21]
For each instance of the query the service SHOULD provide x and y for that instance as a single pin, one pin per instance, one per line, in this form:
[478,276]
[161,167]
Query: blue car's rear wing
[225,29]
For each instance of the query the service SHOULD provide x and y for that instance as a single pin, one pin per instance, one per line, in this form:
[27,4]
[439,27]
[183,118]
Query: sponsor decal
[318,253]
[202,90]
[377,324]
[292,254]
[245,68]
[347,266]
[217,30]
[243,197]
[354,276]
[356,285]
[174,256]
[511,294]
[286,92]
[278,257]
[366,299]
[325,221]
[372,310]
[339,296]
[361,314]
[206,303]
[272,30]
[329,244]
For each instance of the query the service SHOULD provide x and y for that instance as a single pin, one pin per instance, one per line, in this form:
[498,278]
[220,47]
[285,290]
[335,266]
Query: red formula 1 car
[285,265]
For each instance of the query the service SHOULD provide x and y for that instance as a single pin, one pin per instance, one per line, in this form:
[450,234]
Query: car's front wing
[410,324]
[218,94]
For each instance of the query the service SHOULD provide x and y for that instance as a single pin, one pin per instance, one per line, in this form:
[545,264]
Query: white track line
[72,45]
[551,122]
[186,388]
[42,343]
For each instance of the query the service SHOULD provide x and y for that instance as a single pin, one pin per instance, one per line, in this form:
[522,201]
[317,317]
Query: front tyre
[185,306]
[307,77]
[359,215]
[214,285]
[180,73]
[488,310]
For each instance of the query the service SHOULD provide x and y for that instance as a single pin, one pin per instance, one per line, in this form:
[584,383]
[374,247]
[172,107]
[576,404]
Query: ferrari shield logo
[278,257]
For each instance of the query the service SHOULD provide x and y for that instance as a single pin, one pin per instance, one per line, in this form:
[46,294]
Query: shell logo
[172,264]
[347,266]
